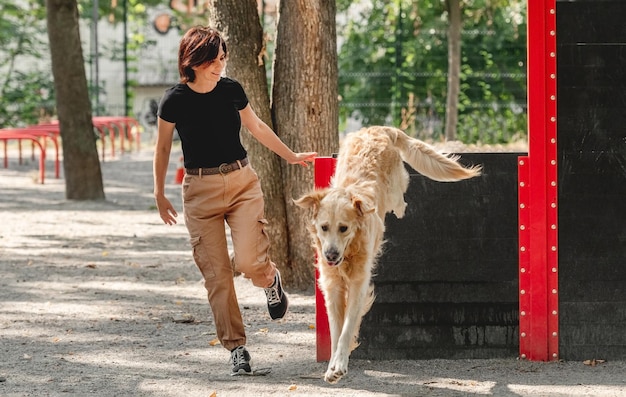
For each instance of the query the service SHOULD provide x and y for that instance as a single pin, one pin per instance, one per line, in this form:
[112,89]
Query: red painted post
[538,193]
[324,170]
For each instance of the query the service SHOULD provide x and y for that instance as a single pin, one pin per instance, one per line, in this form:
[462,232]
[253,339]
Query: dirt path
[103,299]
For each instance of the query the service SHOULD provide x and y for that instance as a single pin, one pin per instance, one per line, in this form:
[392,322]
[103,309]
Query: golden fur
[347,223]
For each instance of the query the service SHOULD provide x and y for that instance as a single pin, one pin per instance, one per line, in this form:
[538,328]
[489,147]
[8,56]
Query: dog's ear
[363,205]
[311,200]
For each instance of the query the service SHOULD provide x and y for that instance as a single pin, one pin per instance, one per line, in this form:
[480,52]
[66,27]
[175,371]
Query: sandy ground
[101,298]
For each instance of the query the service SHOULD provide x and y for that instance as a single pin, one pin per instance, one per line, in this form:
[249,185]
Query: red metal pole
[538,193]
[324,170]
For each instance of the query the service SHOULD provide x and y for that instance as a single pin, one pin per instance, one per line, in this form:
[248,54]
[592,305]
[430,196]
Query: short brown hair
[199,45]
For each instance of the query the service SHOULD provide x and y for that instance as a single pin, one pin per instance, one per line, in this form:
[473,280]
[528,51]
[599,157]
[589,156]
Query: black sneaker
[277,302]
[240,358]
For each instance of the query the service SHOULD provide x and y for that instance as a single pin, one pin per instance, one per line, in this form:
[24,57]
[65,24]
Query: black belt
[222,169]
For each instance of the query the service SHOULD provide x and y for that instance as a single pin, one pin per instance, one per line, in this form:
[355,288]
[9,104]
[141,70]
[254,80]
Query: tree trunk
[81,166]
[454,67]
[305,110]
[239,21]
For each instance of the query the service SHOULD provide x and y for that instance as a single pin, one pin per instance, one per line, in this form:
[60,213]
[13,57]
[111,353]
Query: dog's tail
[428,161]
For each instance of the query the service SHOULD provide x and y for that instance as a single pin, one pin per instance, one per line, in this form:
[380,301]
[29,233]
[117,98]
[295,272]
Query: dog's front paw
[336,370]
[333,375]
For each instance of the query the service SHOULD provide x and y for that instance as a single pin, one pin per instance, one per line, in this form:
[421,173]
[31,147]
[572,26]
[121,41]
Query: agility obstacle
[529,259]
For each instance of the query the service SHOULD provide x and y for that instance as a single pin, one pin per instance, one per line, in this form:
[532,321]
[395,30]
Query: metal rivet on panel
[522,292]
[522,227]
[554,290]
[522,205]
[522,270]
[523,334]
[554,312]
[554,334]
[553,162]
[553,227]
[523,313]
[521,162]
[522,184]
[553,140]
[552,97]
[552,33]
[522,248]
[553,119]
[553,248]
[554,270]
[555,355]
[553,183]
[552,54]
[553,205]
[552,11]
[523,356]
[552,76]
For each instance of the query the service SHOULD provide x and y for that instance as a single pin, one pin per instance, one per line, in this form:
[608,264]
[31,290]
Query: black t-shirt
[208,124]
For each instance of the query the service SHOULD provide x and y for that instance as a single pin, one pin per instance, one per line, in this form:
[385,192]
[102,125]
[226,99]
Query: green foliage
[25,96]
[393,67]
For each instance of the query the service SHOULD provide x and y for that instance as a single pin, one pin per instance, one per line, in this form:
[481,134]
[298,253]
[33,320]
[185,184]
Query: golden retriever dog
[347,222]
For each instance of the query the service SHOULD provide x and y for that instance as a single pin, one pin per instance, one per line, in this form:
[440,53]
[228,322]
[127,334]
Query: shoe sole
[256,372]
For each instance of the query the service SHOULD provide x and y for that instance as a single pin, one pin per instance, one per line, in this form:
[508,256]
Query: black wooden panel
[462,291]
[591,59]
[590,21]
[446,283]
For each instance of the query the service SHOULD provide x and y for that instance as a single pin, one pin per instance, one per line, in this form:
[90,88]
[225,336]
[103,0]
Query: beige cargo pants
[236,198]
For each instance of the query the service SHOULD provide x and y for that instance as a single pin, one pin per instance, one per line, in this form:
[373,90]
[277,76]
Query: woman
[220,185]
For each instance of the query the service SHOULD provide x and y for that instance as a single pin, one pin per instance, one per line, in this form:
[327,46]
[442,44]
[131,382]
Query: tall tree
[304,106]
[240,23]
[80,156]
[304,98]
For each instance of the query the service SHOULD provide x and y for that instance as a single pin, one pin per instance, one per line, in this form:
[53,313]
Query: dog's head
[337,217]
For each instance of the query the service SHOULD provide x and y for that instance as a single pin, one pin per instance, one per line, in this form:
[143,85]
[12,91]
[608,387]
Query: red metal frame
[324,170]
[538,223]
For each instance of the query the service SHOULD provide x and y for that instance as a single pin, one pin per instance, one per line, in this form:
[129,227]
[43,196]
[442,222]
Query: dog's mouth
[335,262]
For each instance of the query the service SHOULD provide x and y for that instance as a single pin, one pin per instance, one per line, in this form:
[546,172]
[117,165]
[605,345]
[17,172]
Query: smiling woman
[208,111]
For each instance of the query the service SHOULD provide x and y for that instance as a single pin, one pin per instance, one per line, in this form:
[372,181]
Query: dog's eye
[343,229]
[324,228]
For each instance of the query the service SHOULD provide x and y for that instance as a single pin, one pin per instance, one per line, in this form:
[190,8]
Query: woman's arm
[160,163]
[264,134]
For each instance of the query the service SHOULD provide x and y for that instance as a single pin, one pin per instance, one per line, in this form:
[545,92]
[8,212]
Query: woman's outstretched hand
[303,158]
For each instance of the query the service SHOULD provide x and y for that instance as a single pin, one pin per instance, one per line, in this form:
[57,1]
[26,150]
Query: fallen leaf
[292,387]
[105,253]
[214,394]
[311,326]
[91,266]
[214,342]
[264,330]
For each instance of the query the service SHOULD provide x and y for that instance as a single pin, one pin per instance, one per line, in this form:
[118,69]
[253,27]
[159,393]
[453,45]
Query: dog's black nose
[331,255]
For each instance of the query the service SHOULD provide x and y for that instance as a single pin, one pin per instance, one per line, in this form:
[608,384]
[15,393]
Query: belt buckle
[224,168]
